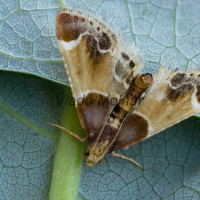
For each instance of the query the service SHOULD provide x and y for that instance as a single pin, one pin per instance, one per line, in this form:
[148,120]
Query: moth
[119,106]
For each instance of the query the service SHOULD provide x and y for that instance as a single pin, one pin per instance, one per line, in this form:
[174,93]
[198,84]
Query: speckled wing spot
[180,92]
[125,69]
[125,56]
[104,41]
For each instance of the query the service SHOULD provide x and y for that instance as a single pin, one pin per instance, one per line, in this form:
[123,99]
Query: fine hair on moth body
[100,68]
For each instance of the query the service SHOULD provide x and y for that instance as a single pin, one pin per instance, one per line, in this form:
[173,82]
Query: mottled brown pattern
[119,69]
[69,27]
[182,78]
[119,88]
[92,47]
[184,84]
[129,78]
[122,73]
[178,79]
[104,41]
[125,56]
[180,92]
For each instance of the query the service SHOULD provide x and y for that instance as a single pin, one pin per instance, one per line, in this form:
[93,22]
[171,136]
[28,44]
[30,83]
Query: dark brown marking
[129,78]
[198,93]
[119,69]
[69,27]
[104,41]
[92,47]
[134,129]
[125,56]
[179,79]
[92,116]
[119,88]
[117,108]
[115,111]
[131,64]
[98,28]
[180,92]
[108,133]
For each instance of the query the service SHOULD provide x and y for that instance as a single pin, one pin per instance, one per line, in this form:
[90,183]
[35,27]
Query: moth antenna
[70,133]
[127,158]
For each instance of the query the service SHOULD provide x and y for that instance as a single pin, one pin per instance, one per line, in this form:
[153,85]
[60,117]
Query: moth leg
[126,158]
[70,133]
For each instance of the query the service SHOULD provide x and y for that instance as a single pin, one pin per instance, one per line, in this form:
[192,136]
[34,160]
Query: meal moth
[102,70]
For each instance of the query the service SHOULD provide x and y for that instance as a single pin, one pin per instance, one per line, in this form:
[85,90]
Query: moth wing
[173,97]
[96,65]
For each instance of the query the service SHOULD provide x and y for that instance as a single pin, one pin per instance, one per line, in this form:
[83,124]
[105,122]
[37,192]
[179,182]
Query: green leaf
[165,32]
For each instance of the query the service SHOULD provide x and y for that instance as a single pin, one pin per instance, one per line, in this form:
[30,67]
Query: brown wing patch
[92,111]
[119,71]
[69,27]
[92,47]
[198,93]
[180,92]
[104,41]
[131,64]
[125,56]
[178,79]
[134,129]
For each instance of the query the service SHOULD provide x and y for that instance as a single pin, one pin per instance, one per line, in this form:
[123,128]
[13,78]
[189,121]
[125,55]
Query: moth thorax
[94,154]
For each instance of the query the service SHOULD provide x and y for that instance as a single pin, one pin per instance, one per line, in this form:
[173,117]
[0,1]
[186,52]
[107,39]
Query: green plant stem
[68,157]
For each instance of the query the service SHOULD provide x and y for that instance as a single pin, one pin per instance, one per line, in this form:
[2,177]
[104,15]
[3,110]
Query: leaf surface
[165,32]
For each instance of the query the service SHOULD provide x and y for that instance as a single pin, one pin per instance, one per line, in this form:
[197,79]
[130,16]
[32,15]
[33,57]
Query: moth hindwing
[100,70]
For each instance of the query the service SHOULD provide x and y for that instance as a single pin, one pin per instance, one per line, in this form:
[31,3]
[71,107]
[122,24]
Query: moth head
[95,154]
[92,158]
